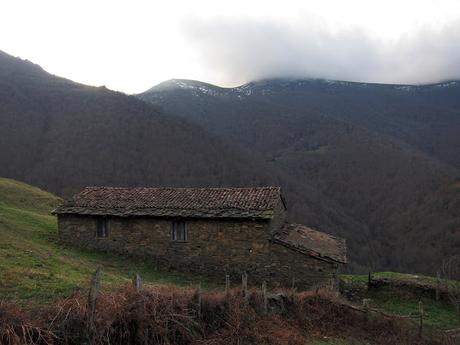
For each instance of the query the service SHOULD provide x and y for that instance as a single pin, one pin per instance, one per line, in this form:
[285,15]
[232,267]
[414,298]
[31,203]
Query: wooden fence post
[137,282]
[264,295]
[438,286]
[92,298]
[244,284]
[366,302]
[199,302]
[227,283]
[420,311]
[369,280]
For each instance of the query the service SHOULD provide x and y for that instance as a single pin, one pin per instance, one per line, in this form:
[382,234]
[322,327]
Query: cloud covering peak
[132,45]
[244,49]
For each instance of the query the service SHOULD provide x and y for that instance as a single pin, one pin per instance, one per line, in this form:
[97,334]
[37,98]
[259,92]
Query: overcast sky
[133,45]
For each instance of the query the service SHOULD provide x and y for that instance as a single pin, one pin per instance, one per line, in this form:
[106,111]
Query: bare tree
[451,271]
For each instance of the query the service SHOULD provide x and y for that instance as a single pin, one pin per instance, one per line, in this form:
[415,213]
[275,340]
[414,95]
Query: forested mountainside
[388,155]
[62,136]
[385,181]
[425,116]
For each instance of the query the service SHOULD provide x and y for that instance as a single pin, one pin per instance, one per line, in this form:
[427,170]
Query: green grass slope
[396,301]
[35,268]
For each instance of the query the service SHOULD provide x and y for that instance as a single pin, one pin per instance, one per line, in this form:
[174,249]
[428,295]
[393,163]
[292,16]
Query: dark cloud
[237,51]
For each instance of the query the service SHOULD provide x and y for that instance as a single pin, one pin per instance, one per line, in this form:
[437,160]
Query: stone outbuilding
[209,231]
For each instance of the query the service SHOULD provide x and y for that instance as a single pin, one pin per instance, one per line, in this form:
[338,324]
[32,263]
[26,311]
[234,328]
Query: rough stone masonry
[209,231]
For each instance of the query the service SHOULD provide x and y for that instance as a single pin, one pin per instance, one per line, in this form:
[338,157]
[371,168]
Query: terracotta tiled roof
[256,202]
[312,242]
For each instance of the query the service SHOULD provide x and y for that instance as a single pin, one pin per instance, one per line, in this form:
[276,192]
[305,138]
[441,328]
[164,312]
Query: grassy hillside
[34,267]
[401,297]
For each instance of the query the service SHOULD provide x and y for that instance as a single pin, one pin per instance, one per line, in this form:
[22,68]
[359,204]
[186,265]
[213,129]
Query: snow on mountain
[269,86]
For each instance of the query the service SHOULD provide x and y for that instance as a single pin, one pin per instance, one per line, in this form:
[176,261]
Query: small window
[179,231]
[102,230]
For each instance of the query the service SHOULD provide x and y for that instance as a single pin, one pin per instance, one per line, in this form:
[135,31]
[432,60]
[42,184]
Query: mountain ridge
[178,83]
[63,136]
[362,166]
[385,155]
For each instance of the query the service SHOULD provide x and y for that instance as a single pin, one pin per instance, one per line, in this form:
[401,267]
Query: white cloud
[238,50]
[132,45]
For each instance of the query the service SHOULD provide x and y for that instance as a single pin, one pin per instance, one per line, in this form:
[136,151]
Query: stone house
[210,231]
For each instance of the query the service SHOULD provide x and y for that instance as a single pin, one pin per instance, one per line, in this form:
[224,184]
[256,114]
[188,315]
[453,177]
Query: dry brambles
[173,315]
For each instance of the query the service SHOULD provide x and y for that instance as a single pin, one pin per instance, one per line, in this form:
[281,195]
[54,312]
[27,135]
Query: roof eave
[311,253]
[167,213]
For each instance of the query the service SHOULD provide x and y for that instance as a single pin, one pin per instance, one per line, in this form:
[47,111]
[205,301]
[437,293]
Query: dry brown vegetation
[171,315]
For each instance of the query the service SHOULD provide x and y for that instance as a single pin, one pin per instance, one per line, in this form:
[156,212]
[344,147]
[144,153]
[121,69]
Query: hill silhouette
[386,154]
[373,179]
[62,136]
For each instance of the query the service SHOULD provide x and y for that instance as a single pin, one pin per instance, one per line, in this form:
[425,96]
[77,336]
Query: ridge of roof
[184,188]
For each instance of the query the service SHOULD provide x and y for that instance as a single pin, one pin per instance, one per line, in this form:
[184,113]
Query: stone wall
[279,217]
[307,272]
[213,248]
